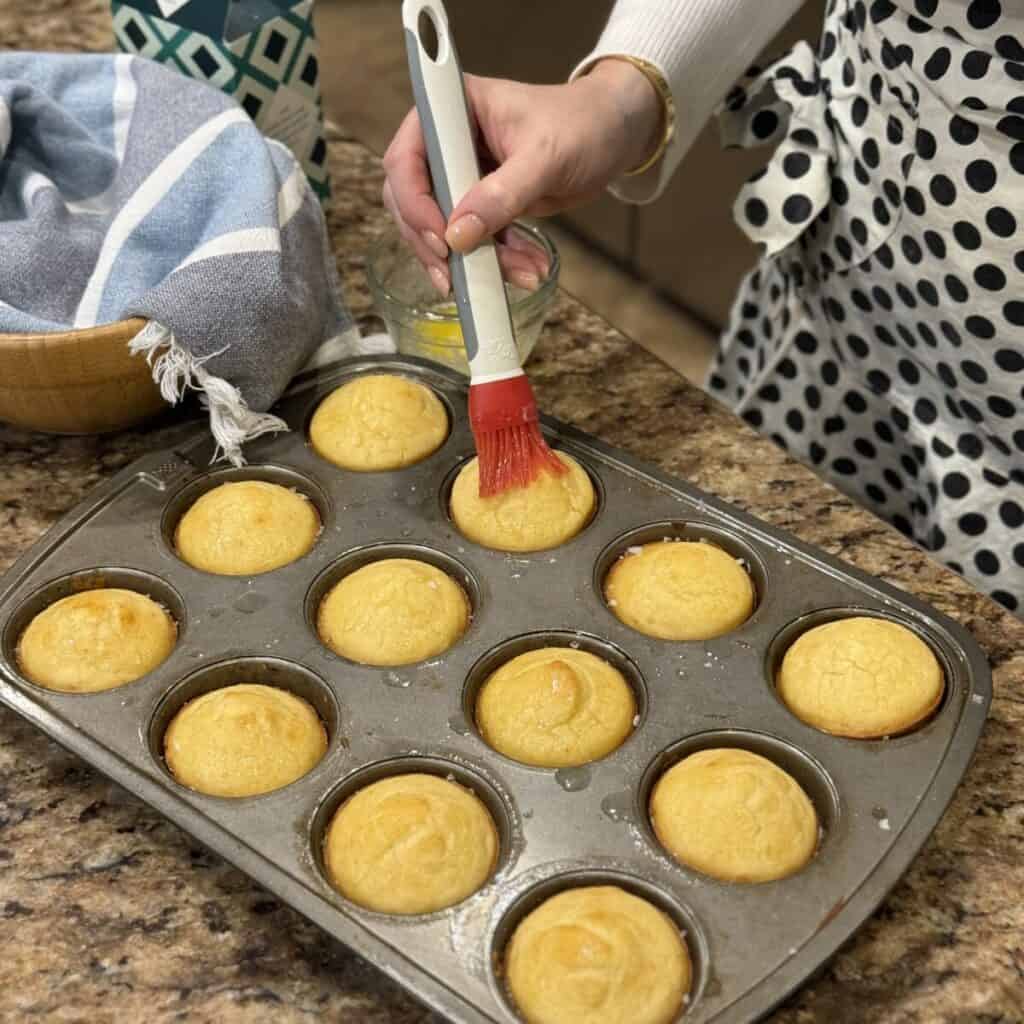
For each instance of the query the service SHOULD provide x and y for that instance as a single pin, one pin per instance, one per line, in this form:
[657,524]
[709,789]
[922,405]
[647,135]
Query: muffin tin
[751,944]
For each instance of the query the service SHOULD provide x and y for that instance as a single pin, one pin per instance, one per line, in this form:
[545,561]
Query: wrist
[639,106]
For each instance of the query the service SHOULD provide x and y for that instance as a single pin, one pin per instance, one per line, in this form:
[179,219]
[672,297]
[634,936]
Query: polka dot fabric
[881,338]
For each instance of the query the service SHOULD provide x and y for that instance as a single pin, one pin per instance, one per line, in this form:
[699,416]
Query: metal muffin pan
[751,945]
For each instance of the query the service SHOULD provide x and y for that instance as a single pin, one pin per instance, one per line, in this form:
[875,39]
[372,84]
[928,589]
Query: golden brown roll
[555,707]
[245,528]
[244,740]
[597,954]
[861,677]
[393,612]
[379,421]
[410,844]
[735,816]
[96,640]
[548,512]
[680,590]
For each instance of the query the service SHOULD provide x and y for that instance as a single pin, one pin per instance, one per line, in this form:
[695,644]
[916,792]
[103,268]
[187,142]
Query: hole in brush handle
[426,28]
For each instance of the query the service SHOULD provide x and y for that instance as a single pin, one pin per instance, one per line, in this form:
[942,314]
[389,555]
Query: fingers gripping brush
[502,410]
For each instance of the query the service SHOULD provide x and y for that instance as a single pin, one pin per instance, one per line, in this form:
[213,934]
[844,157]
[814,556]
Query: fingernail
[440,279]
[436,245]
[525,280]
[466,233]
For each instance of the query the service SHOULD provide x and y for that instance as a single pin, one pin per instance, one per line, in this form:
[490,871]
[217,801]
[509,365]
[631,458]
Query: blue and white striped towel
[127,189]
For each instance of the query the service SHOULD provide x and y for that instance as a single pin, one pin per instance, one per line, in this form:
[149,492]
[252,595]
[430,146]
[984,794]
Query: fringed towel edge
[176,370]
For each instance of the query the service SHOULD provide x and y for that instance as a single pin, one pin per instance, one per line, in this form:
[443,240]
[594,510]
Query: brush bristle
[509,443]
[513,457]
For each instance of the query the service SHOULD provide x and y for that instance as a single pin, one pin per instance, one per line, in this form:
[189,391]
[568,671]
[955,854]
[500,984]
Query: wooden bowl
[76,382]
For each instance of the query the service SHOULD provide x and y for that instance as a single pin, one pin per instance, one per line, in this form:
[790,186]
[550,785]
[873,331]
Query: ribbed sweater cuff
[701,47]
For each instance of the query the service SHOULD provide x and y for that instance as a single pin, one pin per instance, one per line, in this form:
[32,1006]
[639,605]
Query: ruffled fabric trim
[829,188]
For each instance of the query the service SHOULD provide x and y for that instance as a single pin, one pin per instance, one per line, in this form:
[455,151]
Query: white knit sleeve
[700,47]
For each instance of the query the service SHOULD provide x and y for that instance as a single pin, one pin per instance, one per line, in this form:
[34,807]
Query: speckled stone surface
[108,913]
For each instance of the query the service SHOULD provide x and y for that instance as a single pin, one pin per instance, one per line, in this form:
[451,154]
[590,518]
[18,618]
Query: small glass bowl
[421,323]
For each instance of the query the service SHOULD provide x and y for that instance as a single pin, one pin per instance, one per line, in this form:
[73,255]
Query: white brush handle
[454,169]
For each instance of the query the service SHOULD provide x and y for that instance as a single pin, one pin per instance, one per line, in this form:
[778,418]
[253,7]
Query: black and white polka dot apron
[881,338]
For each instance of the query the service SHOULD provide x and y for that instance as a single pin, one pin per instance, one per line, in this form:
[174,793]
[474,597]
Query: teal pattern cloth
[262,52]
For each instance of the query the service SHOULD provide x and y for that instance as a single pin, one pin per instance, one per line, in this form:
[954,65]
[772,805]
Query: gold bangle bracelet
[668,109]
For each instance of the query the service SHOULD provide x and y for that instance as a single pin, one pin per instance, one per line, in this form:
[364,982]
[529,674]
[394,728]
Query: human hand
[543,149]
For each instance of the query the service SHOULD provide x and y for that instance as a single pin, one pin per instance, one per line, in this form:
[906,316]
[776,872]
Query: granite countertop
[107,912]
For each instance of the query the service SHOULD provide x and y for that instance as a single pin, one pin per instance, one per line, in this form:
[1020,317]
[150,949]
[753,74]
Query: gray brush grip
[454,168]
[442,190]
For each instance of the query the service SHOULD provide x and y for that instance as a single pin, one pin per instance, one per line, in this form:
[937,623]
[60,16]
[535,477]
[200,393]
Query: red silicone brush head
[512,450]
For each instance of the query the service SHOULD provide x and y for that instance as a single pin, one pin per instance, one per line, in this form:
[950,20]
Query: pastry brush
[502,410]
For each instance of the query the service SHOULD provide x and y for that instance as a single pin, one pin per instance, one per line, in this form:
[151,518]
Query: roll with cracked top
[379,422]
[861,677]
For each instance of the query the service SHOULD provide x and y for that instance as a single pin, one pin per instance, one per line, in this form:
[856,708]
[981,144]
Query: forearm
[700,47]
